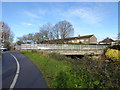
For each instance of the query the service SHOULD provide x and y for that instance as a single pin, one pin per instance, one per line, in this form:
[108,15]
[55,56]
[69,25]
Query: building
[107,41]
[88,39]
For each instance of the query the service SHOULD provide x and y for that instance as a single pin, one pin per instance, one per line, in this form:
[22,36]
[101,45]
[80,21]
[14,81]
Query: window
[72,40]
[78,40]
[81,40]
[86,39]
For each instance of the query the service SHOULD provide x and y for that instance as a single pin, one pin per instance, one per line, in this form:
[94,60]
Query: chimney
[78,35]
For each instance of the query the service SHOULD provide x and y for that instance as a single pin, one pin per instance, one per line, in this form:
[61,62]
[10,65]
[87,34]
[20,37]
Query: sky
[98,18]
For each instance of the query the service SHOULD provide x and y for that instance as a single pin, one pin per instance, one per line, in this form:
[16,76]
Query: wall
[70,52]
[93,40]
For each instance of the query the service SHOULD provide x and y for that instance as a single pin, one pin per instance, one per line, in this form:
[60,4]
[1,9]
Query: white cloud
[32,15]
[114,36]
[27,24]
[87,15]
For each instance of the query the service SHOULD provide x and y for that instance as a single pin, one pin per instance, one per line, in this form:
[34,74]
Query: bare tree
[56,31]
[45,31]
[66,29]
[30,37]
[51,36]
[25,38]
[7,35]
[38,38]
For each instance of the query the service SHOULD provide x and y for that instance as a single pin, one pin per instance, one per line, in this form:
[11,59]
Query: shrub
[113,54]
[34,51]
[105,49]
[117,47]
[96,73]
[88,73]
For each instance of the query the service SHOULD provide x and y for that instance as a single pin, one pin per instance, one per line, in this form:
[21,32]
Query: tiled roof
[80,37]
[107,40]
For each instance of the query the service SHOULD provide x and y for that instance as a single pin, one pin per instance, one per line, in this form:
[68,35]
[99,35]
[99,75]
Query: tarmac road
[20,72]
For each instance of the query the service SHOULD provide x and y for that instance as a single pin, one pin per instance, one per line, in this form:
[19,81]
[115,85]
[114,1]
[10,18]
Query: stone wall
[70,52]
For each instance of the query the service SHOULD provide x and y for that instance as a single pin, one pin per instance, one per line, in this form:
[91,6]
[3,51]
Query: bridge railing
[60,46]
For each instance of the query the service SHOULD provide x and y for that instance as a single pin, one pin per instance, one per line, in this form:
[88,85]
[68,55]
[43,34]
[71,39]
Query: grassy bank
[48,66]
[62,72]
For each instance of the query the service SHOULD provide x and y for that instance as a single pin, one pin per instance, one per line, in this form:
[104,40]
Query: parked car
[3,49]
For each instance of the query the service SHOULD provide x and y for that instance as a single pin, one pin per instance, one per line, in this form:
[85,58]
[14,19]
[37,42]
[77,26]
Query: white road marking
[17,73]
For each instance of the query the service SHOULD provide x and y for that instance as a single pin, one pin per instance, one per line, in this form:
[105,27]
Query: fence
[59,46]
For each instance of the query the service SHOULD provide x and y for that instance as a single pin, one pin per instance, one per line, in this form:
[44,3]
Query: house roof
[80,37]
[107,40]
[117,40]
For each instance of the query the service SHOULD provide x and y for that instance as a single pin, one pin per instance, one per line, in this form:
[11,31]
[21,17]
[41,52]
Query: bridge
[65,49]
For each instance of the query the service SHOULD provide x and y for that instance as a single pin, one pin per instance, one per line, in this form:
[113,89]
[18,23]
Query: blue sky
[100,19]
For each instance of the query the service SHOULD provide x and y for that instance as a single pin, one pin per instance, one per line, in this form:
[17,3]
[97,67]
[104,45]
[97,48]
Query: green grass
[62,72]
[48,66]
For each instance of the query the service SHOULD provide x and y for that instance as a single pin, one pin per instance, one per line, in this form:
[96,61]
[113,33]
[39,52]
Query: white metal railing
[60,46]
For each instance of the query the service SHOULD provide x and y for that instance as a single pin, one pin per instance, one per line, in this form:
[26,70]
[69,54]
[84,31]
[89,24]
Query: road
[0,72]
[20,72]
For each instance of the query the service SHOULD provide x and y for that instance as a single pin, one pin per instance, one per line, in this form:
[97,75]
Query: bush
[113,54]
[70,79]
[117,47]
[86,73]
[97,73]
[105,49]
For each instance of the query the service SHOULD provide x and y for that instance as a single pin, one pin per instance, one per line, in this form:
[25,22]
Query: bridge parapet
[60,46]
[65,49]
[75,52]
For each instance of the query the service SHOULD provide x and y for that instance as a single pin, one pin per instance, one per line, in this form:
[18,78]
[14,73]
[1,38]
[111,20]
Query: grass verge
[48,66]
